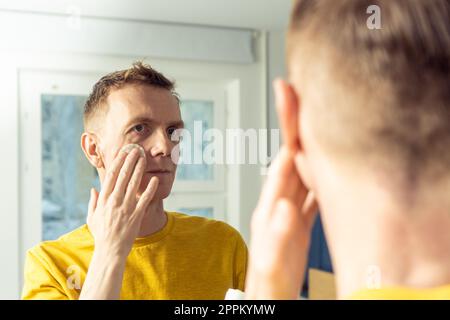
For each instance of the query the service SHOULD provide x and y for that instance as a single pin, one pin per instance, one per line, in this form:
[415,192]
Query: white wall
[9,184]
[276,67]
[249,14]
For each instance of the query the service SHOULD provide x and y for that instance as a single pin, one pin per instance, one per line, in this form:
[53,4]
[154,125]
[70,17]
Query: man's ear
[301,158]
[288,102]
[91,149]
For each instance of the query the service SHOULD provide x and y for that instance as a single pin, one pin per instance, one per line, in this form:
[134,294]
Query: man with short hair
[366,128]
[131,248]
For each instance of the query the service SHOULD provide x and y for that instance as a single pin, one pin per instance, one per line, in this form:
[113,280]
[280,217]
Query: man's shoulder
[204,226]
[79,237]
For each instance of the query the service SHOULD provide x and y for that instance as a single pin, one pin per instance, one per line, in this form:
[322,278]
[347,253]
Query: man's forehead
[143,102]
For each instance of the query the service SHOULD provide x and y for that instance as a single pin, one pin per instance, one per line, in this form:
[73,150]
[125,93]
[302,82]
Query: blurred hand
[283,219]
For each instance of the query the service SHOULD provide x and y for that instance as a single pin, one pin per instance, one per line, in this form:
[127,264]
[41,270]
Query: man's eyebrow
[177,123]
[139,120]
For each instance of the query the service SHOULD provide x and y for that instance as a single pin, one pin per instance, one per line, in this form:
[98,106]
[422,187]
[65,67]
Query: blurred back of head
[378,98]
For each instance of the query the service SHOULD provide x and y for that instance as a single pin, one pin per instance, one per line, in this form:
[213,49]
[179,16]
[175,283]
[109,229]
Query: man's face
[147,116]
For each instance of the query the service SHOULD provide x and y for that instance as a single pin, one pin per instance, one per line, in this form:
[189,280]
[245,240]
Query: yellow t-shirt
[439,293]
[190,258]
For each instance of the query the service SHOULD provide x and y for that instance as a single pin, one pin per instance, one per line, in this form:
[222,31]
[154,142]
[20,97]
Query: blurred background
[223,56]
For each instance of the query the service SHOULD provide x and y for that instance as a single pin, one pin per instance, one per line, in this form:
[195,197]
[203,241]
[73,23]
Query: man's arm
[114,220]
[104,278]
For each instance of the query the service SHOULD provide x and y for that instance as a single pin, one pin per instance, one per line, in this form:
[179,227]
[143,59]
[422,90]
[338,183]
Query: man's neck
[154,219]
[376,244]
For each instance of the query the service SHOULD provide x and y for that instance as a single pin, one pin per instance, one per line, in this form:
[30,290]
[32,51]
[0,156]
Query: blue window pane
[201,212]
[193,111]
[66,174]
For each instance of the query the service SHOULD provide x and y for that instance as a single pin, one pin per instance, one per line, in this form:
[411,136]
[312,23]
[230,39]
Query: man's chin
[164,186]
[161,193]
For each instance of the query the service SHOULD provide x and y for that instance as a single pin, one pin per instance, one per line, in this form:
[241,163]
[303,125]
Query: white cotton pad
[127,148]
[234,294]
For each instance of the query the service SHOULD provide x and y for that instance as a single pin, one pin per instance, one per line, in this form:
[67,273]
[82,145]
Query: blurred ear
[91,149]
[288,104]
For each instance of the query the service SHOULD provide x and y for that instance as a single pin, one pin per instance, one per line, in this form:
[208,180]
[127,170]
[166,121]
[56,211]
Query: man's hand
[115,215]
[282,222]
[281,228]
[114,219]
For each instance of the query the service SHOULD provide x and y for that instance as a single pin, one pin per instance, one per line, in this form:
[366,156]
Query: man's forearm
[104,278]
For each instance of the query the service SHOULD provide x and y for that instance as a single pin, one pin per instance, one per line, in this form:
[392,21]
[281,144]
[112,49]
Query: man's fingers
[92,204]
[282,181]
[111,176]
[135,181]
[283,220]
[147,196]
[125,174]
[287,110]
[310,209]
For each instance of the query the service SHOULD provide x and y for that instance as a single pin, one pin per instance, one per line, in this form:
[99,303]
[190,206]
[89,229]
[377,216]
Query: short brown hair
[139,73]
[389,95]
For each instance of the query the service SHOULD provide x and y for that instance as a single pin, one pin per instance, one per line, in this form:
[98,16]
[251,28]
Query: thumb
[92,204]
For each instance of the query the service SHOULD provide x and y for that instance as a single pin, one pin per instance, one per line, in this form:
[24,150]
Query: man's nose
[160,144]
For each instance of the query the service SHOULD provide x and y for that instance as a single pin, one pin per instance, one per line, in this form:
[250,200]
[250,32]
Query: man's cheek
[106,157]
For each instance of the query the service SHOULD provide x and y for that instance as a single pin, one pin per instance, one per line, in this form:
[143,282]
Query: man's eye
[140,128]
[173,135]
[171,130]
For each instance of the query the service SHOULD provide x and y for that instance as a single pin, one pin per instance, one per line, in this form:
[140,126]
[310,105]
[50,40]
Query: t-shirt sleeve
[240,263]
[39,284]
